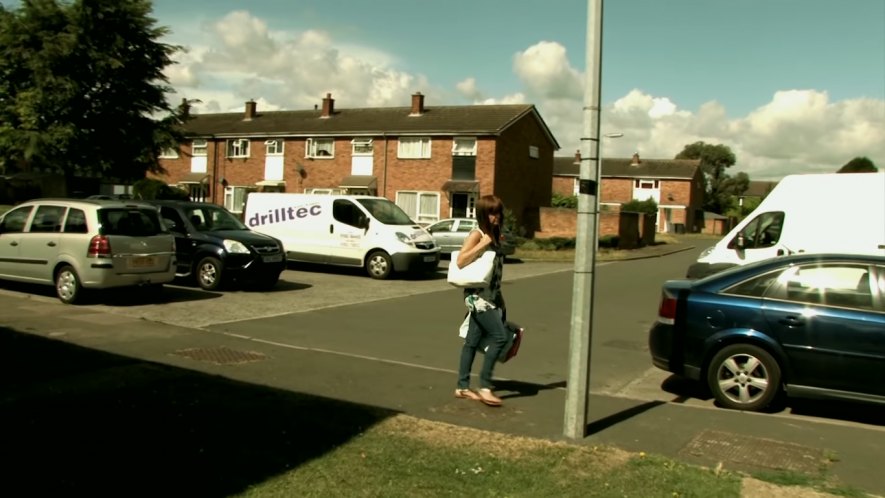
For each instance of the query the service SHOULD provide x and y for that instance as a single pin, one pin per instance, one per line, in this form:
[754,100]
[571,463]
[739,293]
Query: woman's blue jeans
[490,324]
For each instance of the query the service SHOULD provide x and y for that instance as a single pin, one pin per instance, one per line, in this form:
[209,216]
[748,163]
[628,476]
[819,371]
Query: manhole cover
[221,356]
[755,452]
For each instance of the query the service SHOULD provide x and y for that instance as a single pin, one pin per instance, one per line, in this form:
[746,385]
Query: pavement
[93,401]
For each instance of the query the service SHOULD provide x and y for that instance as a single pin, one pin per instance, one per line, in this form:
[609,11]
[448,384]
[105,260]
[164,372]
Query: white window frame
[413,148]
[169,153]
[534,152]
[200,147]
[274,147]
[418,216]
[313,148]
[324,191]
[237,147]
[464,146]
[362,147]
[231,202]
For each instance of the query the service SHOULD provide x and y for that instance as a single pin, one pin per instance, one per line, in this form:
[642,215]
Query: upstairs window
[464,146]
[649,184]
[200,147]
[274,147]
[321,148]
[413,148]
[238,147]
[362,146]
[169,153]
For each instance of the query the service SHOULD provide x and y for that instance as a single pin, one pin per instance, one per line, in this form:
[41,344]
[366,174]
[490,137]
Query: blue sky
[792,86]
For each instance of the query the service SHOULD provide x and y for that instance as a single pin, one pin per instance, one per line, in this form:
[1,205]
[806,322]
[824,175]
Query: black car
[214,247]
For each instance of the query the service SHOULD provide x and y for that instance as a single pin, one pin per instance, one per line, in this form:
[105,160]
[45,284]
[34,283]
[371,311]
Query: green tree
[82,89]
[718,185]
[858,165]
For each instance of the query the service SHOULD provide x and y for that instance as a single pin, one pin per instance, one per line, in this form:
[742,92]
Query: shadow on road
[76,421]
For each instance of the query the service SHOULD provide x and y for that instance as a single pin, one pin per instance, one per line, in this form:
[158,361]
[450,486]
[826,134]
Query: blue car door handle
[792,320]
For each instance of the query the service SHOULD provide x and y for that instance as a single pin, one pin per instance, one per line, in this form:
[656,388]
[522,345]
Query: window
[413,148]
[347,212]
[15,220]
[534,152]
[235,198]
[238,147]
[169,153]
[274,147]
[464,146]
[842,285]
[422,207]
[47,219]
[362,146]
[324,191]
[763,231]
[321,147]
[76,222]
[649,184]
[466,225]
[200,148]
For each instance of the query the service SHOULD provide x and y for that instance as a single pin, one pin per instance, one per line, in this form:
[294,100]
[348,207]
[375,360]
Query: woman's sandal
[489,398]
[467,394]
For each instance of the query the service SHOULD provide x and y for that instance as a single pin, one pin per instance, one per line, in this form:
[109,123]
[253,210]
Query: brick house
[676,185]
[434,162]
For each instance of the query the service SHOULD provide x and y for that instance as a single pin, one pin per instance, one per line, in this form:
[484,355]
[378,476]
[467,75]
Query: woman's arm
[475,244]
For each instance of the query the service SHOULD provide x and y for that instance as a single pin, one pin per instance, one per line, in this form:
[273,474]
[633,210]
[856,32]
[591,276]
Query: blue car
[808,325]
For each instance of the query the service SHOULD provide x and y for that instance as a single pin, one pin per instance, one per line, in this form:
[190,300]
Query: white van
[833,212]
[346,230]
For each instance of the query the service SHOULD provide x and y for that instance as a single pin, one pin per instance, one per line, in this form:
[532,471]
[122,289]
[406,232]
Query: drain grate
[755,452]
[221,356]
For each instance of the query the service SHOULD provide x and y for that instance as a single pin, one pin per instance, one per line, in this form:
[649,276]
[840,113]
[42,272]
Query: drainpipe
[384,134]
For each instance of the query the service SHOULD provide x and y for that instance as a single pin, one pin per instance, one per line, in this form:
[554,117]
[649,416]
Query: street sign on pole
[581,334]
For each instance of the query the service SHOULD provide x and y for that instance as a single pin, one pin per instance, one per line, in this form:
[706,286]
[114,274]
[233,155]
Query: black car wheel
[744,377]
[209,273]
[379,265]
[67,285]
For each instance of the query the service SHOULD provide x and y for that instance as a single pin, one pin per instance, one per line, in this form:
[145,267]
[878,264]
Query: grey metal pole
[581,335]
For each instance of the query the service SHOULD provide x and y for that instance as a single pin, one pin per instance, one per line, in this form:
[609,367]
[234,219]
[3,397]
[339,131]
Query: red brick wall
[564,185]
[616,190]
[562,222]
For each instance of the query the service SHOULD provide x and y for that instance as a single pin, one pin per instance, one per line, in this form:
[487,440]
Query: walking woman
[486,305]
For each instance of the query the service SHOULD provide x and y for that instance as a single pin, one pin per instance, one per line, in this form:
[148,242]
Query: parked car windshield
[132,222]
[212,218]
[386,212]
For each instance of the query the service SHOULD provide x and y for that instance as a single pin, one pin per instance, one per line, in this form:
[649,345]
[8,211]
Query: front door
[463,205]
[346,236]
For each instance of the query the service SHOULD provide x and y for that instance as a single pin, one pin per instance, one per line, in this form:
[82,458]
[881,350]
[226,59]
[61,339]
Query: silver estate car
[85,244]
[449,235]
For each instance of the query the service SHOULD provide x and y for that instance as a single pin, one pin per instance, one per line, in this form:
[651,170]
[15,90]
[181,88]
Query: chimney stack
[184,108]
[250,110]
[328,106]
[417,104]
[578,156]
[636,160]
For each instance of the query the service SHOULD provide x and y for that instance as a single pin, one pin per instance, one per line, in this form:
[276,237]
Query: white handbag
[477,274]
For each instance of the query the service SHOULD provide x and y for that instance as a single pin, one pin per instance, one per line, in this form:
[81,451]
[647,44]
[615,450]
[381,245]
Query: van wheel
[67,285]
[744,377]
[209,273]
[379,265]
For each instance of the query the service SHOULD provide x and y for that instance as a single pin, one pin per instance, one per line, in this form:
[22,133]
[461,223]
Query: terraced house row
[433,161]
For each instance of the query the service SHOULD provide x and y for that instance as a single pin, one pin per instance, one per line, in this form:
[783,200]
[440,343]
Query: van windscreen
[386,212]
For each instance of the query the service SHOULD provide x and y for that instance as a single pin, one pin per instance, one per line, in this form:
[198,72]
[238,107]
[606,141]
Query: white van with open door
[345,230]
[832,212]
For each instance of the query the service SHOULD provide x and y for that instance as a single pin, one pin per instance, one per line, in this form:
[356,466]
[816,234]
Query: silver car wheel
[67,285]
[379,265]
[209,273]
[744,377]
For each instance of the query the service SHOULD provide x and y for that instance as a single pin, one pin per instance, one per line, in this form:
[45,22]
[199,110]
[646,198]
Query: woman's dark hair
[486,205]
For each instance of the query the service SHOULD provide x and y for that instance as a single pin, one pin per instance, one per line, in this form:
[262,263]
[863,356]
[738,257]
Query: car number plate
[276,258]
[142,262]
[429,258]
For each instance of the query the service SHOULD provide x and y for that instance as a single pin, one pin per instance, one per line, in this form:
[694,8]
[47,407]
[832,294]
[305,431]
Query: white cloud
[798,131]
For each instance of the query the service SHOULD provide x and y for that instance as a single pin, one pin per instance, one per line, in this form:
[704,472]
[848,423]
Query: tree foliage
[859,165]
[648,206]
[563,201]
[720,188]
[82,88]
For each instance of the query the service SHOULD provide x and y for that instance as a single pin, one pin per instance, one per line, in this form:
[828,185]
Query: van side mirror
[363,222]
[740,242]
[171,225]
